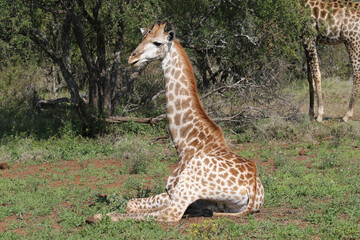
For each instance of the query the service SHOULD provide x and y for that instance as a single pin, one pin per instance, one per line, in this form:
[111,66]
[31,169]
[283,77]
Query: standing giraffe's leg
[355,61]
[311,86]
[314,77]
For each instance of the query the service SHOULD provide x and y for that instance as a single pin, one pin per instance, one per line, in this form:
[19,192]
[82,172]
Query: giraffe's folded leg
[150,204]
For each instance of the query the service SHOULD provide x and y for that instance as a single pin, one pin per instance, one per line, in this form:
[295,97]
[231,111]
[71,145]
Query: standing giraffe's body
[336,21]
[209,173]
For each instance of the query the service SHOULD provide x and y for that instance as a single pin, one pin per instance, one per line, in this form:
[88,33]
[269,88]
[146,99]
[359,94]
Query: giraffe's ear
[171,36]
[143,30]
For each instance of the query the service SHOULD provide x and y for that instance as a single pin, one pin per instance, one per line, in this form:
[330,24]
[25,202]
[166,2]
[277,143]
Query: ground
[58,196]
[310,172]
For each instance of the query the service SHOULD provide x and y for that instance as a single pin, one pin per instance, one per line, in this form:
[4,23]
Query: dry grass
[336,96]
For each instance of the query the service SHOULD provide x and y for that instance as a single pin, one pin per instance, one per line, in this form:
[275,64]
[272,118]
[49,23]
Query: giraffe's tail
[252,197]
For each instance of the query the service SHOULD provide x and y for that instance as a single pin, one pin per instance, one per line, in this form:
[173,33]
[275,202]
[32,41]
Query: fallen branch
[162,138]
[51,103]
[151,120]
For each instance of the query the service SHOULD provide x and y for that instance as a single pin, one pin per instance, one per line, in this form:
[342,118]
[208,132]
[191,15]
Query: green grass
[54,183]
[311,196]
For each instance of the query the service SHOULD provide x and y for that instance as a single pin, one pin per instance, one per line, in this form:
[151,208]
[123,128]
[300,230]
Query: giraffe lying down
[209,175]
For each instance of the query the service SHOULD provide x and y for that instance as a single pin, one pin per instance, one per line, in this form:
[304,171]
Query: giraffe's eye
[158,44]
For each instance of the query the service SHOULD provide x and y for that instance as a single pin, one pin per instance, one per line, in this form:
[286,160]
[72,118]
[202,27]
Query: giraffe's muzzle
[134,62]
[133,59]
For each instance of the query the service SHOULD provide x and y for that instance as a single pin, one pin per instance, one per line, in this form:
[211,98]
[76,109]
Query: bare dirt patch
[65,168]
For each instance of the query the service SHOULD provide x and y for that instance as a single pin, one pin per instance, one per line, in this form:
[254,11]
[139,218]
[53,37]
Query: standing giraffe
[209,175]
[336,21]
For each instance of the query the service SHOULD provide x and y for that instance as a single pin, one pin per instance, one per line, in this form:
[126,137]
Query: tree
[77,34]
[244,50]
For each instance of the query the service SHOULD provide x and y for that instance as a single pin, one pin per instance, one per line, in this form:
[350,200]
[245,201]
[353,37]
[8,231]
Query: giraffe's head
[155,44]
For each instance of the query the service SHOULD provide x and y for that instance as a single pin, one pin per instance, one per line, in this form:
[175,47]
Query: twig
[229,119]
[220,88]
[60,119]
[157,95]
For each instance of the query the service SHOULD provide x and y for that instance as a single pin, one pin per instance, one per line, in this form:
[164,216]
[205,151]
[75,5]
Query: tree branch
[41,40]
[80,38]
[66,37]
[130,79]
[209,13]
[85,13]
[119,119]
[117,55]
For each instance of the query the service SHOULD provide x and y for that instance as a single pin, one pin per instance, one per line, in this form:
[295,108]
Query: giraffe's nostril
[133,54]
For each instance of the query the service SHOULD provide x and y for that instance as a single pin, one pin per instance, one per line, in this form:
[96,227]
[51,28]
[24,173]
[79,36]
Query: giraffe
[335,21]
[209,176]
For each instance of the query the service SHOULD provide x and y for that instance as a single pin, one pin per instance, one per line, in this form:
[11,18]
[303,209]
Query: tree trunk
[99,76]
[51,82]
[62,60]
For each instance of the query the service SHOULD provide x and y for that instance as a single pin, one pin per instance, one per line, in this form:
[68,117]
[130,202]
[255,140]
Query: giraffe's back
[336,21]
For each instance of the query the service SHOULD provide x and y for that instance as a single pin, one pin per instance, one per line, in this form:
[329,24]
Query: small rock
[302,152]
[94,219]
[4,204]
[91,204]
[102,195]
[4,166]
[308,165]
[288,212]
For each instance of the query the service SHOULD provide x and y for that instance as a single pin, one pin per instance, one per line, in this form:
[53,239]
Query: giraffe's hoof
[94,219]
[319,119]
[346,119]
[115,217]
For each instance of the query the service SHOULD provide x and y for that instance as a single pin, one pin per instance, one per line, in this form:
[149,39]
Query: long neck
[189,125]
